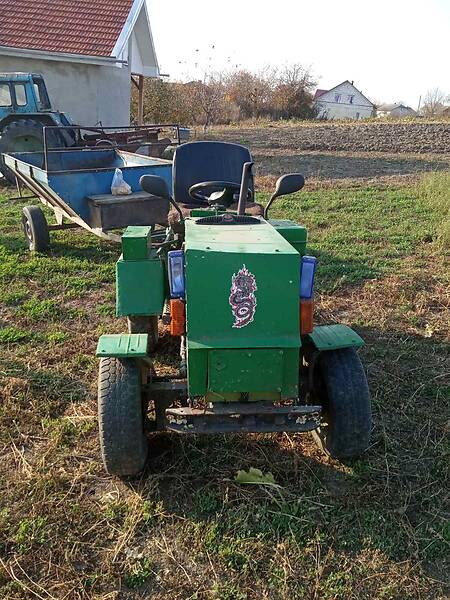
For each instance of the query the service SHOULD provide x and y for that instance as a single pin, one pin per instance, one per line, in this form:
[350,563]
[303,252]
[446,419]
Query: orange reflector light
[177,317]
[306,316]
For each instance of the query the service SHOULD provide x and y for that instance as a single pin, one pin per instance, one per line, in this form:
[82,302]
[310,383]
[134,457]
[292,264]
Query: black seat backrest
[196,162]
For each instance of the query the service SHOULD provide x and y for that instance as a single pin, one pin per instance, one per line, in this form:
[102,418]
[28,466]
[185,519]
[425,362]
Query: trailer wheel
[123,443]
[35,228]
[145,325]
[344,394]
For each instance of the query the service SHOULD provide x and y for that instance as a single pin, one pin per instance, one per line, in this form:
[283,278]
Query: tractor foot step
[243,417]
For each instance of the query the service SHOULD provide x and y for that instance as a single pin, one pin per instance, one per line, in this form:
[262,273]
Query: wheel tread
[348,404]
[123,443]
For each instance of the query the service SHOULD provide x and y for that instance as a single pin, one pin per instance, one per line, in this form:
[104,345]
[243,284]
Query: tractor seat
[195,162]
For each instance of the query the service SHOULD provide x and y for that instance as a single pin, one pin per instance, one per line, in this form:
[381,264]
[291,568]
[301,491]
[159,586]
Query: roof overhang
[138,24]
[137,31]
[61,56]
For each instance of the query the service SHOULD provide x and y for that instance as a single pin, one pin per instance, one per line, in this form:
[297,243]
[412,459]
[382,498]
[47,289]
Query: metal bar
[45,149]
[64,226]
[243,194]
[23,197]
[141,100]
[244,418]
[120,127]
[133,80]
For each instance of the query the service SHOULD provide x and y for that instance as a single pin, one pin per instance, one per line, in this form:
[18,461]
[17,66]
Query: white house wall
[344,102]
[88,93]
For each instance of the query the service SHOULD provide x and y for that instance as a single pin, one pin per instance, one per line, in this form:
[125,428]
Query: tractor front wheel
[35,228]
[342,389]
[121,418]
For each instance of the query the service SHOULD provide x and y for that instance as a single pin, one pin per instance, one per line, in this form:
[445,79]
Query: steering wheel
[216,192]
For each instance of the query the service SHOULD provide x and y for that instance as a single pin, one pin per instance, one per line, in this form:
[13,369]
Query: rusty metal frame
[118,129]
[243,417]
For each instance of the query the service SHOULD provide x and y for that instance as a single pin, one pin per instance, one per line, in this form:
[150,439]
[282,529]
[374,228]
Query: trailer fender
[334,337]
[123,345]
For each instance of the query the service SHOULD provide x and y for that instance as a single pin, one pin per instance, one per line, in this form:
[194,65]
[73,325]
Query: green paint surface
[136,243]
[140,287]
[124,345]
[333,337]
[213,255]
[235,370]
[295,234]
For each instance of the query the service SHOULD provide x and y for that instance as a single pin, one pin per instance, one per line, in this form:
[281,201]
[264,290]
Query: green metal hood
[242,287]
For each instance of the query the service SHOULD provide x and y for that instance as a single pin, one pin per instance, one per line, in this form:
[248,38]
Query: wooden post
[141,100]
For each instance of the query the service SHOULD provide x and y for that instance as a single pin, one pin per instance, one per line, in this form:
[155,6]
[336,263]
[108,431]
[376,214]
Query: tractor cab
[23,93]
[25,109]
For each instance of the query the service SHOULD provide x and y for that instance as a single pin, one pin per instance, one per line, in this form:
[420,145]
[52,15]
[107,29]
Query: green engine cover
[242,294]
[140,281]
[294,233]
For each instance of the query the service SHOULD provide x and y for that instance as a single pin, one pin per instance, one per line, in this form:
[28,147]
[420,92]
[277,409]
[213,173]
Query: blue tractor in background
[25,109]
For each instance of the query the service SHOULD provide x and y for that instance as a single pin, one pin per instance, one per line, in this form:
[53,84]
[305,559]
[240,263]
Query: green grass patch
[434,191]
[375,528]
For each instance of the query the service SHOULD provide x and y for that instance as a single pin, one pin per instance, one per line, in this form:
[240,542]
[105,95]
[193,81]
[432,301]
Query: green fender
[123,345]
[334,337]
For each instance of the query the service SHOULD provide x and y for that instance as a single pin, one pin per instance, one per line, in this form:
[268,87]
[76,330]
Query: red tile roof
[89,27]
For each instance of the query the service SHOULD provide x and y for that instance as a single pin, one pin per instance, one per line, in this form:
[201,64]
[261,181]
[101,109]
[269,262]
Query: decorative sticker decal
[242,297]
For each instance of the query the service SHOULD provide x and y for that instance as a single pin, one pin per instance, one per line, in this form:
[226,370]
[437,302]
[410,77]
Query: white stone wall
[88,93]
[344,102]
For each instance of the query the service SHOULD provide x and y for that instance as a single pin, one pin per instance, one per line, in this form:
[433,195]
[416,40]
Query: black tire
[123,443]
[23,135]
[145,325]
[344,394]
[35,228]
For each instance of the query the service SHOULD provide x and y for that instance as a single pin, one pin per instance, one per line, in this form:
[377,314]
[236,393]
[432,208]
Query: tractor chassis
[227,417]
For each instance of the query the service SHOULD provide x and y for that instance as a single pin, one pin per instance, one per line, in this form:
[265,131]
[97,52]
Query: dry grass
[371,529]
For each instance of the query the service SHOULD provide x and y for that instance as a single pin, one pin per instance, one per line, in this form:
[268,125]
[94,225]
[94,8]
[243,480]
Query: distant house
[444,112]
[344,101]
[397,110]
[87,51]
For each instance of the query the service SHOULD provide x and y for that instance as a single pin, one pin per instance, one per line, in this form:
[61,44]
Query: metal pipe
[44,131]
[245,182]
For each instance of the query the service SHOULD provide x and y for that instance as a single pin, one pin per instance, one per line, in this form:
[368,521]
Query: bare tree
[208,97]
[226,97]
[434,101]
[292,97]
[249,91]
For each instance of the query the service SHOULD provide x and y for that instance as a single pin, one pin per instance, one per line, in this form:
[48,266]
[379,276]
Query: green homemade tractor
[236,288]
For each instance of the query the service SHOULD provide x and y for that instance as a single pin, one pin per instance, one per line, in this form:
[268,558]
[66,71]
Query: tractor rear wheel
[342,388]
[35,228]
[24,135]
[145,325]
[121,418]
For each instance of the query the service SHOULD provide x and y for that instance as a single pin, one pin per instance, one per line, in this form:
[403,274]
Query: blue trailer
[76,185]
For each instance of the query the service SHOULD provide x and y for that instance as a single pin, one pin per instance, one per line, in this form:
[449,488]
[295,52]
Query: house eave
[61,56]
[127,30]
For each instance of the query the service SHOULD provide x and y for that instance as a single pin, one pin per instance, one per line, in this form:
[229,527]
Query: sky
[394,50]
